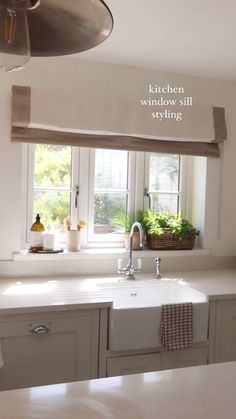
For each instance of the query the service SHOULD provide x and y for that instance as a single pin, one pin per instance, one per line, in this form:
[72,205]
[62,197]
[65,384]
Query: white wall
[89,79]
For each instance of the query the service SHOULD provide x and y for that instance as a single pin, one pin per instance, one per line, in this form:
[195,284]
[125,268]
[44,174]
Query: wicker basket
[170,241]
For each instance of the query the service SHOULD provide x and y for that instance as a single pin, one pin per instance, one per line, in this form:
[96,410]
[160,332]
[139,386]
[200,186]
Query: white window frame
[99,239]
[29,158]
[83,177]
[182,194]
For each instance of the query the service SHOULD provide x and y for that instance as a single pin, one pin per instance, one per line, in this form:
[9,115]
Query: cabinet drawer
[184,358]
[133,364]
[57,322]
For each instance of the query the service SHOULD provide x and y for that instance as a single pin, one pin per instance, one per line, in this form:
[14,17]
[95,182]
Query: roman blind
[56,117]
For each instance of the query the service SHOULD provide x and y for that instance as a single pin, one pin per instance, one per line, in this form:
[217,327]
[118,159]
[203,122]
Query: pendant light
[14,39]
[44,28]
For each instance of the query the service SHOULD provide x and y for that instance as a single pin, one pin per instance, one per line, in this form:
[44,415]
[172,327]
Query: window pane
[111,169]
[52,166]
[164,172]
[164,202]
[106,207]
[53,207]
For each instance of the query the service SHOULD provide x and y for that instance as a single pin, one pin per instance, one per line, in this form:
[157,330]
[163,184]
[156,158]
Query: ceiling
[195,37]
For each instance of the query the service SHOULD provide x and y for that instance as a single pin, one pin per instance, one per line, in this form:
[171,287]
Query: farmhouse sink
[134,320]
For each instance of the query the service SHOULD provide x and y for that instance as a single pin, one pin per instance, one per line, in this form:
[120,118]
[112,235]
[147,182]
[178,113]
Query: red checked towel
[176,327]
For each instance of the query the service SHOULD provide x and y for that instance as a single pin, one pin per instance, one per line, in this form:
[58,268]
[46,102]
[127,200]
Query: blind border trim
[115,142]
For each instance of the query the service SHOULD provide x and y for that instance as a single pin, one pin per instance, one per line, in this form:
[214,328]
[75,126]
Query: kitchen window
[110,191]
[95,184]
[165,182]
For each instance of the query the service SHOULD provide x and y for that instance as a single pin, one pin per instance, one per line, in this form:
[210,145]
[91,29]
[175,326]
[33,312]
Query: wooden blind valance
[24,130]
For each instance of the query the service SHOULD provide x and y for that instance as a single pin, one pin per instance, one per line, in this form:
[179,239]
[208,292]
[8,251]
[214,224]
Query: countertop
[215,284]
[40,294]
[203,392]
[54,294]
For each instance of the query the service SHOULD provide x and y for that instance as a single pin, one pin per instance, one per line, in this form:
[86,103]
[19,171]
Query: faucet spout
[130,270]
[138,225]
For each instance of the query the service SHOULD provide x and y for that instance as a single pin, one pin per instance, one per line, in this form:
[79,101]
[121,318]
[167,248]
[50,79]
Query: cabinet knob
[40,330]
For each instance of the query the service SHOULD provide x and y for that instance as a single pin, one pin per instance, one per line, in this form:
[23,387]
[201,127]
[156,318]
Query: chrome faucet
[158,268]
[130,270]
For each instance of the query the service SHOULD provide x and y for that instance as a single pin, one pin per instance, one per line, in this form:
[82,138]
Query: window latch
[76,196]
[148,195]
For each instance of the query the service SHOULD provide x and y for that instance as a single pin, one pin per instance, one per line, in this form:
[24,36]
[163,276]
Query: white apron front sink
[134,321]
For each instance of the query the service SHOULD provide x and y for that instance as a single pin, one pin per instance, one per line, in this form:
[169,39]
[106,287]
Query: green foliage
[126,221]
[179,225]
[52,170]
[52,166]
[106,206]
[151,223]
[53,207]
[155,223]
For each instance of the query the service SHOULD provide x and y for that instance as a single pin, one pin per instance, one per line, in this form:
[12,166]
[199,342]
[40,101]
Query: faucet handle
[129,270]
[119,264]
[120,270]
[139,264]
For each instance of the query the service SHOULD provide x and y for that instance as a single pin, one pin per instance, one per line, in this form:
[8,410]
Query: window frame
[30,156]
[182,192]
[82,168]
[93,238]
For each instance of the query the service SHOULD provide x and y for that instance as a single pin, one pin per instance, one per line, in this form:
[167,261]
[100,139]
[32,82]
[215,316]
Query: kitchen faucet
[129,270]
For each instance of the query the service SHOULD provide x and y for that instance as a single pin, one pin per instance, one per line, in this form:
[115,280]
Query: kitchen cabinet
[47,348]
[225,331]
[184,358]
[134,364]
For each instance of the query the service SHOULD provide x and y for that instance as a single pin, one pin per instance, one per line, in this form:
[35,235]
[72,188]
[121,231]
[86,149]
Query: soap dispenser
[36,235]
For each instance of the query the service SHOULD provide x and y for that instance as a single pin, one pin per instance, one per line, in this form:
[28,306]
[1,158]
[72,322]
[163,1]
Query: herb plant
[122,219]
[156,223]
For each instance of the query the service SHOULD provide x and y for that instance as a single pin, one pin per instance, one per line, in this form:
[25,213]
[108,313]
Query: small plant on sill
[168,232]
[126,220]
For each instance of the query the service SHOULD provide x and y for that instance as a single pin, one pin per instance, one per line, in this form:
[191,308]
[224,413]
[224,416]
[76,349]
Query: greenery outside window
[164,182]
[95,184]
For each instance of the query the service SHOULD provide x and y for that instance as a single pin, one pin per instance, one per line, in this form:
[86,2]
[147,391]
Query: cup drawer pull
[40,330]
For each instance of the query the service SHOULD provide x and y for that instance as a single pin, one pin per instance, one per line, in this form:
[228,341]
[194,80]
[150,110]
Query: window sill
[110,253]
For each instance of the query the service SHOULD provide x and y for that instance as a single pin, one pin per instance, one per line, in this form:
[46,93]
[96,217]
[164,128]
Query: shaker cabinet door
[47,349]
[225,337]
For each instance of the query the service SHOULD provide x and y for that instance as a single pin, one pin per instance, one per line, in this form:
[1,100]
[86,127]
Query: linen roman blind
[56,117]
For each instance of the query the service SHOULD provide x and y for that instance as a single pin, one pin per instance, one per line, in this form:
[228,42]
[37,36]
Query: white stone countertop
[203,392]
[54,294]
[215,284]
[21,295]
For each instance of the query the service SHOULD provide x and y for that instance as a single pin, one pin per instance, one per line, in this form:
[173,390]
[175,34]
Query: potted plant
[126,220]
[165,231]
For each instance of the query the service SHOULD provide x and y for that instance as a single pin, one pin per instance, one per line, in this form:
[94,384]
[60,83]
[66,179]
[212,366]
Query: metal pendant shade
[61,27]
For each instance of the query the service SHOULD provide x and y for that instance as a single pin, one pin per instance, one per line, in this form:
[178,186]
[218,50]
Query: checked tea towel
[176,328]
